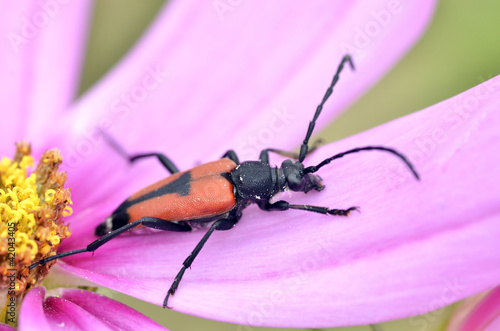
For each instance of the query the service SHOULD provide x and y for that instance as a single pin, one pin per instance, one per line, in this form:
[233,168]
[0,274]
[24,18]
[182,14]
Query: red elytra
[209,194]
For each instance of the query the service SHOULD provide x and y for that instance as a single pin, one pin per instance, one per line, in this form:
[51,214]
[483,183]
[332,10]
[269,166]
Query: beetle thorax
[256,181]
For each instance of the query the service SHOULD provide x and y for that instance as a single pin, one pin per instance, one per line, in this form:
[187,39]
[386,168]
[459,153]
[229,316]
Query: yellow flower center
[32,226]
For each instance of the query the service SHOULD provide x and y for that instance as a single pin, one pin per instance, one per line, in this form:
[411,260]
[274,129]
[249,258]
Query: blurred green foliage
[459,50]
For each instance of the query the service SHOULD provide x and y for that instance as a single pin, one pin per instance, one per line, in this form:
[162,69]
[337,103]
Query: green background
[461,46]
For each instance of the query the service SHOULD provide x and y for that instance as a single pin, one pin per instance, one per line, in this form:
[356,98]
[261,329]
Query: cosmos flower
[251,67]
[32,227]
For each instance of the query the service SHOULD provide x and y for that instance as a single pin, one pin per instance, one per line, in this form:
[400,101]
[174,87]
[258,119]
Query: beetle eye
[295,182]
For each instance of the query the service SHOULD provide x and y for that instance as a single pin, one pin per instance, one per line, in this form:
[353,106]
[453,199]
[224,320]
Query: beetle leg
[165,161]
[230,154]
[223,224]
[283,205]
[150,222]
[264,155]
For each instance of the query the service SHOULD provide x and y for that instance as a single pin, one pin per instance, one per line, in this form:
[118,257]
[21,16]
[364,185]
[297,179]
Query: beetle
[214,194]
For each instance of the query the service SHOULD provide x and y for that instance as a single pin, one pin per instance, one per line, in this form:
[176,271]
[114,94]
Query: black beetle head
[297,180]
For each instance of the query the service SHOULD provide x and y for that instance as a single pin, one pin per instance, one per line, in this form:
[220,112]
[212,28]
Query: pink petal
[5,327]
[79,310]
[40,56]
[199,85]
[475,315]
[415,246]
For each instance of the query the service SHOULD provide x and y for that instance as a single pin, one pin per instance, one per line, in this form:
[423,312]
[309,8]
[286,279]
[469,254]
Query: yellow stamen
[31,228]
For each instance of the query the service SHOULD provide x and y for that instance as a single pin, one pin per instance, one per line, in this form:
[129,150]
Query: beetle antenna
[304,148]
[312,169]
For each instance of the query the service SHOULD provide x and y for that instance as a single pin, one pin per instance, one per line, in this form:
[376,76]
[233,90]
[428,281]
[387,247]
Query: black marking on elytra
[181,186]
